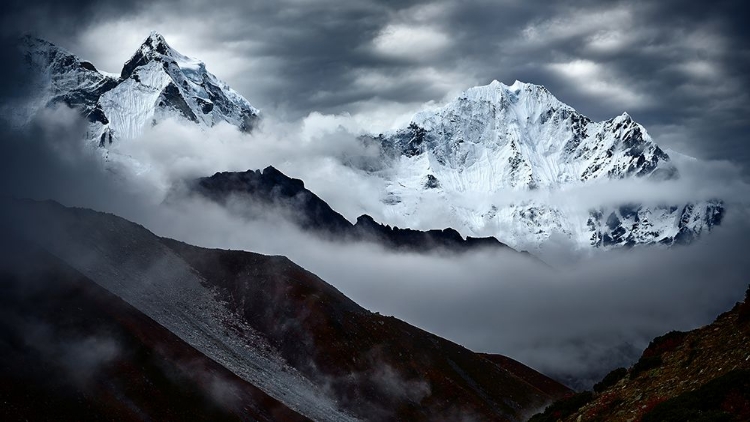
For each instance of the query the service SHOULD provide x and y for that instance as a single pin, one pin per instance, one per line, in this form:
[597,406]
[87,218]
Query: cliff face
[702,374]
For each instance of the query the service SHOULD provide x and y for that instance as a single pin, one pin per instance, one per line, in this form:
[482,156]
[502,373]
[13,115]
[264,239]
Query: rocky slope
[497,142]
[255,193]
[701,375]
[157,83]
[278,327]
[69,349]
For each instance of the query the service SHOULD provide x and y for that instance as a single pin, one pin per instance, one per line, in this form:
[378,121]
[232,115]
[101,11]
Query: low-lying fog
[586,314]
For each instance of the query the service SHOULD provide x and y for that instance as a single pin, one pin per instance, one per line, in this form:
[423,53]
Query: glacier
[488,158]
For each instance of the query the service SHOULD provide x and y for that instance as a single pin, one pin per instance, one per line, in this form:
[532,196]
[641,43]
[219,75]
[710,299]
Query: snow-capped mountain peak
[528,138]
[155,84]
[496,139]
[497,92]
[155,47]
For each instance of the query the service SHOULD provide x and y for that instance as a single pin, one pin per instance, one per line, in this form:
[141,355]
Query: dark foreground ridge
[272,189]
[176,311]
[700,375]
[71,350]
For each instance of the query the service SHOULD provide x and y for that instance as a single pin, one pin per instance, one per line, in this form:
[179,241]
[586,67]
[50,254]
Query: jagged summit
[495,139]
[157,42]
[543,141]
[156,38]
[155,84]
[497,92]
[152,47]
[271,189]
[155,47]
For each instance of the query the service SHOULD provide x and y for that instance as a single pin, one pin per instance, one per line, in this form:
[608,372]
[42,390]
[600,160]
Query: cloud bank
[576,321]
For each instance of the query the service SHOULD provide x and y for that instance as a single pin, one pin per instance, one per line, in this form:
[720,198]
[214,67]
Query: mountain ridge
[498,140]
[279,327]
[287,196]
[156,83]
[86,353]
[491,142]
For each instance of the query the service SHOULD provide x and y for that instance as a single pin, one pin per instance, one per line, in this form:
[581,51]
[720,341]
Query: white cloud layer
[577,321]
[597,81]
[413,43]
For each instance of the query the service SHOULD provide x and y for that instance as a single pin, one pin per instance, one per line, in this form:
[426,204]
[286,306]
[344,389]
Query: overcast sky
[681,68]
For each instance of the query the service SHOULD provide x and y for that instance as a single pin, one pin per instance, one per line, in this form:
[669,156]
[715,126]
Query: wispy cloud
[589,314]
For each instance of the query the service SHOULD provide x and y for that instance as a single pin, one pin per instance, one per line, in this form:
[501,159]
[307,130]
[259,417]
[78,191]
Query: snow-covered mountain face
[59,77]
[155,84]
[484,162]
[497,140]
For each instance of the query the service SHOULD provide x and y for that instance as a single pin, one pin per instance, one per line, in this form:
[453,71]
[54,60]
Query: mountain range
[157,82]
[490,155]
[485,159]
[103,318]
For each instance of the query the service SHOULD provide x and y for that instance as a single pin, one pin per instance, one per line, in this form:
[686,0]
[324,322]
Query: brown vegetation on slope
[700,375]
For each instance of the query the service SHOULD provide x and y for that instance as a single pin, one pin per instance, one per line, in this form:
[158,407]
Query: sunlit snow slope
[477,159]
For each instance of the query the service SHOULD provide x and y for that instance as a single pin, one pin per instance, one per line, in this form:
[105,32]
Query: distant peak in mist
[157,83]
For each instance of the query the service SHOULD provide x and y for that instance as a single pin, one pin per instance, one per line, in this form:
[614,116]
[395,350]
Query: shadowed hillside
[282,329]
[700,375]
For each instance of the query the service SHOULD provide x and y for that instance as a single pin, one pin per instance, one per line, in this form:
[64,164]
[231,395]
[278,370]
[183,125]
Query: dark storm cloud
[679,67]
[60,19]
